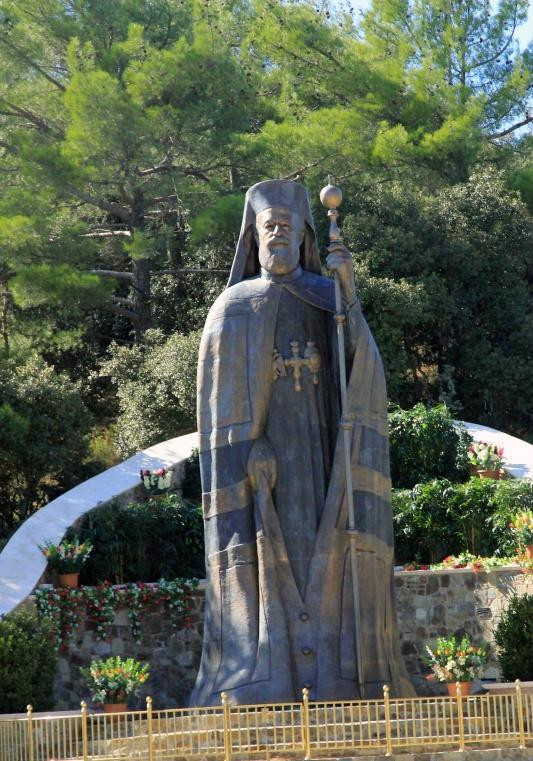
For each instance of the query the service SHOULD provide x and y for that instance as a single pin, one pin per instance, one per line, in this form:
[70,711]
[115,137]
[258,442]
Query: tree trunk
[141,297]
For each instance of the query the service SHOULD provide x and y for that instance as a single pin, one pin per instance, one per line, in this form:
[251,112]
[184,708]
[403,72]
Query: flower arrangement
[63,607]
[485,456]
[157,481]
[66,557]
[112,680]
[455,661]
[522,526]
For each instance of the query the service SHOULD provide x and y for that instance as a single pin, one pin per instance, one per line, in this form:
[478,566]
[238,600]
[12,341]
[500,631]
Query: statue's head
[277,232]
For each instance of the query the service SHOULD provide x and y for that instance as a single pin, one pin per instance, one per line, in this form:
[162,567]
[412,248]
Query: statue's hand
[262,463]
[340,261]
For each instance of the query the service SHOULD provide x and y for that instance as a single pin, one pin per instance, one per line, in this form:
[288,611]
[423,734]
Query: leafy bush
[440,518]
[191,486]
[156,388]
[142,542]
[43,438]
[112,680]
[514,635]
[425,444]
[27,663]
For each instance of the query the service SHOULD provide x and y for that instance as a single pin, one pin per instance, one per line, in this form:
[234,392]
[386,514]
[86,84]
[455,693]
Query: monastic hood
[265,195]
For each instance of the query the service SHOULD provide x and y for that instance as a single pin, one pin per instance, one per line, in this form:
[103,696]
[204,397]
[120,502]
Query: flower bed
[472,562]
[62,606]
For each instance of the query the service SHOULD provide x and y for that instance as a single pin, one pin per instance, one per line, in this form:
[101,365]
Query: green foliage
[455,660]
[43,438]
[425,444]
[27,663]
[191,486]
[156,388]
[113,679]
[67,556]
[443,284]
[439,518]
[513,635]
[142,542]
[130,130]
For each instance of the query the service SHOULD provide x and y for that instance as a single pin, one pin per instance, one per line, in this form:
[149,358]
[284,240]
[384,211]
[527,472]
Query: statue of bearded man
[280,596]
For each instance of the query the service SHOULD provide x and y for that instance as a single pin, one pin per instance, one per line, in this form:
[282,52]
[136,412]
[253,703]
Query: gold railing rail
[305,730]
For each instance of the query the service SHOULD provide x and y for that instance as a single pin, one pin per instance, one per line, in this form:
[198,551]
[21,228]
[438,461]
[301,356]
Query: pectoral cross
[311,360]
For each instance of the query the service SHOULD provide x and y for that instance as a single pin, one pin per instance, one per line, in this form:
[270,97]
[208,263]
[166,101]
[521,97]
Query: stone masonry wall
[429,604]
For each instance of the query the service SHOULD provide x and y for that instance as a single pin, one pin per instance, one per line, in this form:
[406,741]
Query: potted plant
[522,526]
[67,558]
[110,681]
[157,481]
[485,459]
[454,661]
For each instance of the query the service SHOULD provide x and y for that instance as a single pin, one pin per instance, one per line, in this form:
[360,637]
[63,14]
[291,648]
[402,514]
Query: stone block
[437,614]
[117,646]
[102,648]
[121,617]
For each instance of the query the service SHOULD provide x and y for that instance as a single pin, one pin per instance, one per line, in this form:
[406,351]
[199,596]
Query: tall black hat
[267,195]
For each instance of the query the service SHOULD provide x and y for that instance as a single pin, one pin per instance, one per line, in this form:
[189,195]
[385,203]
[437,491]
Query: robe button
[304,616]
[306,650]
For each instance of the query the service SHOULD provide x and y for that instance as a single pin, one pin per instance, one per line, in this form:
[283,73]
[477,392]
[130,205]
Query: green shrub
[514,637]
[27,663]
[43,438]
[441,518]
[191,486]
[156,388]
[425,444]
[423,531]
[143,542]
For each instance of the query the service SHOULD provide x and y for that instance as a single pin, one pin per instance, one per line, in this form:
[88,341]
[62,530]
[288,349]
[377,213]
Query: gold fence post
[520,713]
[388,732]
[460,715]
[306,726]
[149,728]
[84,730]
[226,718]
[29,709]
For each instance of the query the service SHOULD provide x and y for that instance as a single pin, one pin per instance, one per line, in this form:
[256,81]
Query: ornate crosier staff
[331,198]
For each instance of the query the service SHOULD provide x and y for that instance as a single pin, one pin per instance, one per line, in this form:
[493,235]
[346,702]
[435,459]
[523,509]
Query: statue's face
[279,235]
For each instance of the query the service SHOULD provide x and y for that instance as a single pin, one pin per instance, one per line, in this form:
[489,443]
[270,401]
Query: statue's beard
[278,258]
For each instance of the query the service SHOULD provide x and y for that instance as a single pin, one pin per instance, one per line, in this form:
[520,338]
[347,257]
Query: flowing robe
[279,602]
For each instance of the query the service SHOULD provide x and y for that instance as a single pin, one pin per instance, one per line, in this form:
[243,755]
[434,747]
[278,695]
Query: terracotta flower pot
[114,707]
[68,579]
[490,473]
[529,551]
[465,689]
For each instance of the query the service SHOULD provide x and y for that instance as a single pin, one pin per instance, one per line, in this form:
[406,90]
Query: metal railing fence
[303,730]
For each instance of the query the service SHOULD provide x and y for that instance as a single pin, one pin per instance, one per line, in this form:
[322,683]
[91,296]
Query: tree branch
[31,63]
[33,118]
[123,302]
[133,316]
[108,234]
[111,273]
[299,171]
[186,270]
[113,208]
[168,166]
[508,131]
[9,148]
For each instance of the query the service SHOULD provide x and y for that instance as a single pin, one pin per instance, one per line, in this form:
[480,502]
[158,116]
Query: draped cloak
[267,636]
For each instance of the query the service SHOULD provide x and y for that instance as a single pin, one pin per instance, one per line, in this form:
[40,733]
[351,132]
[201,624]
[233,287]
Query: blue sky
[524,33]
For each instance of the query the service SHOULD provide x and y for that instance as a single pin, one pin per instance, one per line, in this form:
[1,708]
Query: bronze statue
[299,576]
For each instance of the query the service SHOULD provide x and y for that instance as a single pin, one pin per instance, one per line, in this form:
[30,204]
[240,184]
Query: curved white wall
[518,454]
[22,564]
